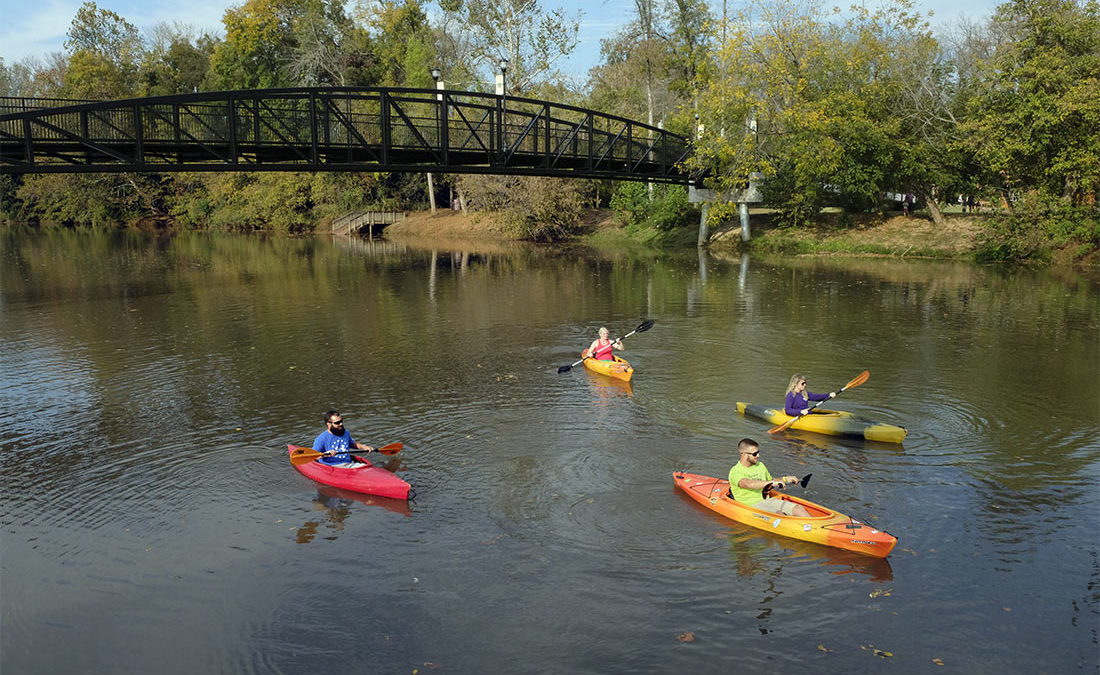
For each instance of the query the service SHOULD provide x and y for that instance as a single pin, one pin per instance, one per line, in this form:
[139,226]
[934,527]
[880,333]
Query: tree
[402,43]
[1034,120]
[820,104]
[259,45]
[176,61]
[105,53]
[531,38]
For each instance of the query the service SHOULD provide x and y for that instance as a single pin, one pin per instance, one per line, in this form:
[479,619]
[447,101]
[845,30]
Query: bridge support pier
[742,198]
[703,225]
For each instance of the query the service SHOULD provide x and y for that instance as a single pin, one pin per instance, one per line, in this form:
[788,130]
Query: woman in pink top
[601,347]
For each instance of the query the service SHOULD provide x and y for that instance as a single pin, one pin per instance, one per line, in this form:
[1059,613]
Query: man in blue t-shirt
[336,442]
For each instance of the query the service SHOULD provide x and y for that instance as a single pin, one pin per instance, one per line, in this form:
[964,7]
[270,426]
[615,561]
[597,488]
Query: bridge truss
[335,129]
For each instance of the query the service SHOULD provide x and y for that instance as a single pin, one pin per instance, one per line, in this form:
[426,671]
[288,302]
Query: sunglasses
[336,423]
[753,454]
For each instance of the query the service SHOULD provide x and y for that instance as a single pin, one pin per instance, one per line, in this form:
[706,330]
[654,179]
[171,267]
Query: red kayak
[368,479]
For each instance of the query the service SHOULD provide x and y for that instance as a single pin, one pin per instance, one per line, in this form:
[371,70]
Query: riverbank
[835,234]
[899,236]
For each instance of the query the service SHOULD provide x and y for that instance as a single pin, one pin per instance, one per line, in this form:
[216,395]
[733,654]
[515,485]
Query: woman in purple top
[798,399]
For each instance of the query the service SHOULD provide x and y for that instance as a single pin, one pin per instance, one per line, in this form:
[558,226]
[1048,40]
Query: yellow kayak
[618,368]
[833,422]
[824,526]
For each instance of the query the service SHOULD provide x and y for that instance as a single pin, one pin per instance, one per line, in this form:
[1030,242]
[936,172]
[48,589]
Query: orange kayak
[619,368]
[824,526]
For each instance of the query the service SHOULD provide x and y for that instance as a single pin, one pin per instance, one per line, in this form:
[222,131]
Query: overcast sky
[37,27]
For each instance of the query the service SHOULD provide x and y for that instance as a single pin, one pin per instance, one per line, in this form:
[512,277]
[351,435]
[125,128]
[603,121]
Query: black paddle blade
[646,325]
[805,480]
[564,369]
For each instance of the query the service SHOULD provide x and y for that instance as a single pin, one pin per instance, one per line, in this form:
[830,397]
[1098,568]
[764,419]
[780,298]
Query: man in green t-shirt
[749,476]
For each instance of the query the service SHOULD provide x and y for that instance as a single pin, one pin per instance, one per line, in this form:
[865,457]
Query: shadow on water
[335,506]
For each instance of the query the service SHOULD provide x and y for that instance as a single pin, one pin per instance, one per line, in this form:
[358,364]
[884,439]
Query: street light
[436,74]
[502,91]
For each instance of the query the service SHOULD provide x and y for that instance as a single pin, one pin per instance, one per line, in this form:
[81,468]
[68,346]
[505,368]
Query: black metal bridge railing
[335,129]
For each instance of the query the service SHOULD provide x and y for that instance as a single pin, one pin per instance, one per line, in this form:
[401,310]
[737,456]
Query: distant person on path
[798,399]
[601,347]
[336,442]
[907,205]
[749,476]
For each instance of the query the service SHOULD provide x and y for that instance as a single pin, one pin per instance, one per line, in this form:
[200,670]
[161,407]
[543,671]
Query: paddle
[768,488]
[642,327]
[854,382]
[306,455]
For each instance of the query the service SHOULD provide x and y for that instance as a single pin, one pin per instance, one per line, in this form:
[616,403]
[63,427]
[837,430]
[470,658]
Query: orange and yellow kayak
[824,526]
[619,368]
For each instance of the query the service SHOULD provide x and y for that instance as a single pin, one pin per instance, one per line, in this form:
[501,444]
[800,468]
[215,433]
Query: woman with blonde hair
[601,347]
[798,398]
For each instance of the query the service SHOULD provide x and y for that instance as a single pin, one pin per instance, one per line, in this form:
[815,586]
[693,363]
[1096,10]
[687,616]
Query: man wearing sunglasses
[749,476]
[336,442]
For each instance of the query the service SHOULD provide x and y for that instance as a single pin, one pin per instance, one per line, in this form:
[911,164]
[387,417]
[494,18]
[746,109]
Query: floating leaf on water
[938,662]
[877,652]
[686,637]
[880,592]
[824,649]
[1008,609]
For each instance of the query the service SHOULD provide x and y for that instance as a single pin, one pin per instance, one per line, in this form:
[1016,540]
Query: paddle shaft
[644,326]
[854,382]
[304,455]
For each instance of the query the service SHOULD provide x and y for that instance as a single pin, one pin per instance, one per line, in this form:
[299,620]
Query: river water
[152,523]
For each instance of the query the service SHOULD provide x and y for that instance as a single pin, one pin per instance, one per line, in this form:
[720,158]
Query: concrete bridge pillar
[706,196]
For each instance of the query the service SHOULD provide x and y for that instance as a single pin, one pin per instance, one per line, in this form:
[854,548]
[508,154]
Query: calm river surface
[152,523]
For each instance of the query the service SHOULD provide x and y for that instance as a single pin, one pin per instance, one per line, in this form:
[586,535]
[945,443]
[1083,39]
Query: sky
[36,28]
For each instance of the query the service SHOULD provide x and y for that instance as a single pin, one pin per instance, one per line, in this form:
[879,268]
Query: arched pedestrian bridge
[335,129]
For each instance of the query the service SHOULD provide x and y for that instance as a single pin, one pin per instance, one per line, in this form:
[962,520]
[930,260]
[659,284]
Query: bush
[1037,225]
[538,209]
[668,210]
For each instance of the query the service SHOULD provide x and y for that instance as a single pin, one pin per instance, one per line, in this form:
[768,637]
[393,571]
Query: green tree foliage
[665,210]
[176,62]
[105,55]
[822,106]
[1034,122]
[402,44]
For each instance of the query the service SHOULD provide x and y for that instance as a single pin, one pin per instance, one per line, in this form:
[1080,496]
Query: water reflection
[606,388]
[135,370]
[334,506]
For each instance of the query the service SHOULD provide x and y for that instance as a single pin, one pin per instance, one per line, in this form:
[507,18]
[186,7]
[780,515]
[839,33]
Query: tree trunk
[929,196]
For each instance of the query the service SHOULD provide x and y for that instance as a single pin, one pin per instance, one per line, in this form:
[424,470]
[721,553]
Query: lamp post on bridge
[502,92]
[440,120]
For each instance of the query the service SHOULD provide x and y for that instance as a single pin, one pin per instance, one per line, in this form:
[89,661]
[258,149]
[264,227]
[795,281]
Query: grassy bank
[961,236]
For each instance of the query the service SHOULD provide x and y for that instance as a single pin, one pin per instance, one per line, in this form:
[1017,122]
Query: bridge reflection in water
[335,129]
